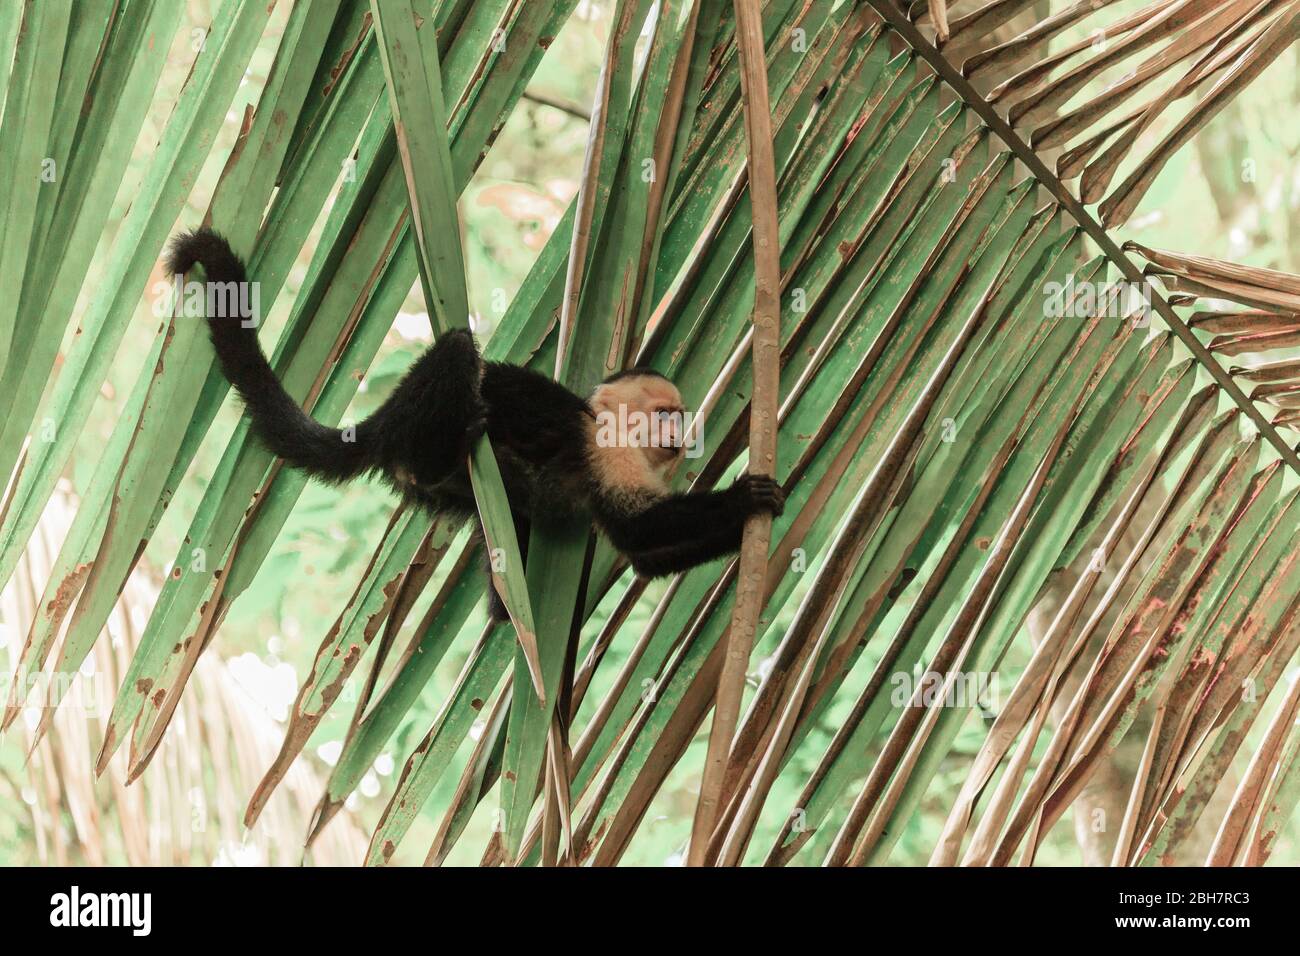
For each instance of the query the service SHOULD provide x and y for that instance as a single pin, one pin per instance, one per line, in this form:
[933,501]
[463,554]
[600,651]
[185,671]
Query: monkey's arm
[685,554]
[682,531]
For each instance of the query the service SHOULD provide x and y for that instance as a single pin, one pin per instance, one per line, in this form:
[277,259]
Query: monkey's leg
[429,422]
[496,606]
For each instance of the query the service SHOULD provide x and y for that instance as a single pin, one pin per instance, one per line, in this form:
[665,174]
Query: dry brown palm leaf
[1184,44]
[766,338]
[1253,793]
[171,816]
[1268,371]
[1270,331]
[1256,342]
[1229,44]
[1280,34]
[1203,267]
[1139,32]
[1223,51]
[996,60]
[939,17]
[1251,320]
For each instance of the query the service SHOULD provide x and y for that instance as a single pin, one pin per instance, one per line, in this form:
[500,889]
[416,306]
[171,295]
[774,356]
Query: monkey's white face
[646,413]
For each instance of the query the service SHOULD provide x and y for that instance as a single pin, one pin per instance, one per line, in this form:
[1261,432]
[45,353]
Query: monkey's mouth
[672,445]
[665,453]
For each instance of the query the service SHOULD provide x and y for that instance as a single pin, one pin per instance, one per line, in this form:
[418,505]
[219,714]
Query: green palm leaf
[1089,499]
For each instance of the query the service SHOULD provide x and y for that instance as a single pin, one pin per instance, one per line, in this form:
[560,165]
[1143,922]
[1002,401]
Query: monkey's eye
[666,421]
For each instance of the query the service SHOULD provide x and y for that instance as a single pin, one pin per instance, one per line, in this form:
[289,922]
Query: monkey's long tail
[278,421]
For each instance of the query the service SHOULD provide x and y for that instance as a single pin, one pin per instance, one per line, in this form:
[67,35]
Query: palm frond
[1000,466]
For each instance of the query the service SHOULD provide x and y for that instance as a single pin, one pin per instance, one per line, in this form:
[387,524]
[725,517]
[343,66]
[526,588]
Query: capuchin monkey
[555,460]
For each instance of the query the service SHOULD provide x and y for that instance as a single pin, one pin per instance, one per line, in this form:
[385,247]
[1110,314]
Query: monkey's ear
[604,399]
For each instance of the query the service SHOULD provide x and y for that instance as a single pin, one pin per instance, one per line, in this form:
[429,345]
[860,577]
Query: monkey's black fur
[419,440]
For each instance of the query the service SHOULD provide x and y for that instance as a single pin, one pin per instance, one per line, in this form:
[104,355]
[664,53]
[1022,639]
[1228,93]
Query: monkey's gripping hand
[682,531]
[761,493]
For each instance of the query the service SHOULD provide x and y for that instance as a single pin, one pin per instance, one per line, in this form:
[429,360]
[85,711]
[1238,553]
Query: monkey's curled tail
[278,421]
